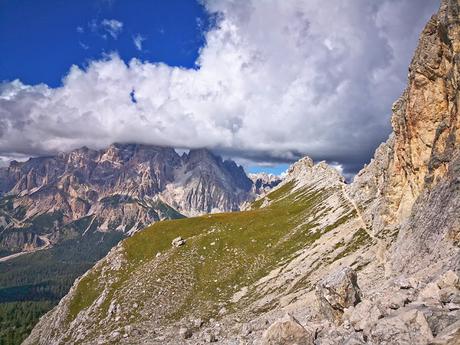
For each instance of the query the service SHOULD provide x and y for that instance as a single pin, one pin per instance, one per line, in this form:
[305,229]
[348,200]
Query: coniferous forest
[33,283]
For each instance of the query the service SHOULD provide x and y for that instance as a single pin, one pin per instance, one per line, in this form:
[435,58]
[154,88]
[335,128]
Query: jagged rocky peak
[304,171]
[138,154]
[301,176]
[204,160]
[35,172]
[202,155]
[204,183]
[301,165]
[263,182]
[239,175]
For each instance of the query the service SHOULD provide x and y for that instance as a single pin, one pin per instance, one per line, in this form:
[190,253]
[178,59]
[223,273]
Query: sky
[262,82]
[41,40]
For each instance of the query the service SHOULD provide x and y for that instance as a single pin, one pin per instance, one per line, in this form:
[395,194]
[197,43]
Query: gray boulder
[287,331]
[363,315]
[178,241]
[406,327]
[336,292]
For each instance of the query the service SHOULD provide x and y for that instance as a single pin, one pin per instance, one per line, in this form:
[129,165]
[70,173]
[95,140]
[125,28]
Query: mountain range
[122,188]
[313,261]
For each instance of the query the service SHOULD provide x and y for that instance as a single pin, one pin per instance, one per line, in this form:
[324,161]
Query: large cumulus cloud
[275,80]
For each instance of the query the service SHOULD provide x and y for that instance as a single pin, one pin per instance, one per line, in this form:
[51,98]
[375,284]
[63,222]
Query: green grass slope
[31,284]
[154,283]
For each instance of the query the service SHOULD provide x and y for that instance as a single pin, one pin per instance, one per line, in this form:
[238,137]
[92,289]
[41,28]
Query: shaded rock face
[21,240]
[122,188]
[336,292]
[430,239]
[205,184]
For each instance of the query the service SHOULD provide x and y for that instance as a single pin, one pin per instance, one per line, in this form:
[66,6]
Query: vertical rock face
[122,188]
[425,122]
[425,118]
[429,241]
[204,183]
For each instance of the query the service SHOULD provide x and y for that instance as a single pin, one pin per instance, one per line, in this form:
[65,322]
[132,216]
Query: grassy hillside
[228,249]
[226,255]
[30,285]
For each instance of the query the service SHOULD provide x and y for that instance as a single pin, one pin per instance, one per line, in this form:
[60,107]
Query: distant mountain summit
[263,182]
[123,188]
[204,183]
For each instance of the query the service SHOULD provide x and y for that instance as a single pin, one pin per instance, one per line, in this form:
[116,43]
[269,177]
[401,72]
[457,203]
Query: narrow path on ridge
[381,244]
[358,212]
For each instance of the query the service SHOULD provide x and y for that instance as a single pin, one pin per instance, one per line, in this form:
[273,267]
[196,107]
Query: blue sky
[276,169]
[40,40]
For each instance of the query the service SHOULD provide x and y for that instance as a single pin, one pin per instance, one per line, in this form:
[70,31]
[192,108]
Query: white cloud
[112,26]
[83,45]
[276,79]
[6,160]
[138,39]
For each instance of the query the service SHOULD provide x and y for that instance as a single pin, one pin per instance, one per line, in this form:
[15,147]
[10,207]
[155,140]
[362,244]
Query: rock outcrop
[425,123]
[204,183]
[408,314]
[263,182]
[287,331]
[337,292]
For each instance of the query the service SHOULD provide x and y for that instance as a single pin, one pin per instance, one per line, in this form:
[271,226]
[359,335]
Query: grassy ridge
[224,253]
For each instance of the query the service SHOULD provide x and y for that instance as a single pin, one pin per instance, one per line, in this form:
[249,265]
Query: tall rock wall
[425,123]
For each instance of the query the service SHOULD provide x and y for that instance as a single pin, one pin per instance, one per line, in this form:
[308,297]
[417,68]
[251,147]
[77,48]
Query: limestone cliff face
[425,122]
[205,183]
[429,242]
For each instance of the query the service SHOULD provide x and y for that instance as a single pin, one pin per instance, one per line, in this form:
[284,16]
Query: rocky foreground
[315,261]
